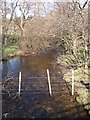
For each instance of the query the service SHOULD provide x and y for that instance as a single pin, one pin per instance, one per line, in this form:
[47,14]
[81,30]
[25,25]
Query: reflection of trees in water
[37,63]
[13,66]
[4,69]
[28,64]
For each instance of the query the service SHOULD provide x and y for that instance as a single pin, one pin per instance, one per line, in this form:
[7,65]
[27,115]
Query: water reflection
[36,64]
[13,66]
[28,65]
[0,70]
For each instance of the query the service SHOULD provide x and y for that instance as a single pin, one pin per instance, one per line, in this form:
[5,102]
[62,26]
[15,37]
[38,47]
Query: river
[27,64]
[35,100]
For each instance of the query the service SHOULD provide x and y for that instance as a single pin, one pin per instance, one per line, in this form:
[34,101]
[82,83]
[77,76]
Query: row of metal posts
[49,83]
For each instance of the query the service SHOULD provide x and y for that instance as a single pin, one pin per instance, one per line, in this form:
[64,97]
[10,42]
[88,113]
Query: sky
[47,1]
[81,1]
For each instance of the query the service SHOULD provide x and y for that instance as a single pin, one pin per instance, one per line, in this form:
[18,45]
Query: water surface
[27,65]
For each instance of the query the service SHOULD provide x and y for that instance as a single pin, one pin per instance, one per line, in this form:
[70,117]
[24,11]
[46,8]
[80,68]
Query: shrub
[12,38]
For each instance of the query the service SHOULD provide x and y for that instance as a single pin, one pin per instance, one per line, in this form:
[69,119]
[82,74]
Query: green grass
[9,50]
[12,46]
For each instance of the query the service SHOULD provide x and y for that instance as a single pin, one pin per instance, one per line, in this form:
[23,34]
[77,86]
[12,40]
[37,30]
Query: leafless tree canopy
[47,24]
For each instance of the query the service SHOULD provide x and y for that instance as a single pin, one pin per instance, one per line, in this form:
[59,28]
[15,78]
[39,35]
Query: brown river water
[35,100]
[27,64]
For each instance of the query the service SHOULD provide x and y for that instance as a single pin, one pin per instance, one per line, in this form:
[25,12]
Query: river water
[34,100]
[34,82]
[27,65]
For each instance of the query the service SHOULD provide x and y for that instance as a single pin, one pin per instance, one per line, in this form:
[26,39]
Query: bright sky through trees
[47,4]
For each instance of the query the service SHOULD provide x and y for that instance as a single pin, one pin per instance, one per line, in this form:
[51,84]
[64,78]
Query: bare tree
[25,9]
[7,9]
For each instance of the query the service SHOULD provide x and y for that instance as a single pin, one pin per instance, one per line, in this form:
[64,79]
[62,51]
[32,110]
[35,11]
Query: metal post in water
[49,82]
[19,84]
[72,81]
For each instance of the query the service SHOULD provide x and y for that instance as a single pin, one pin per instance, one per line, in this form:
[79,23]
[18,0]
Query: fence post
[72,81]
[49,82]
[19,84]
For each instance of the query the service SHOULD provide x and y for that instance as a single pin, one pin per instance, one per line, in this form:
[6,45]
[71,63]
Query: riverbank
[81,80]
[10,51]
[13,50]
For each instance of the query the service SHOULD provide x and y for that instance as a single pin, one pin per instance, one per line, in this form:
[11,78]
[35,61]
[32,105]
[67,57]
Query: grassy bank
[81,79]
[10,51]
[81,83]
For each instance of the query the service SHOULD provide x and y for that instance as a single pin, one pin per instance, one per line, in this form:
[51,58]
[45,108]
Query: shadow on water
[35,101]
[27,64]
[30,66]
